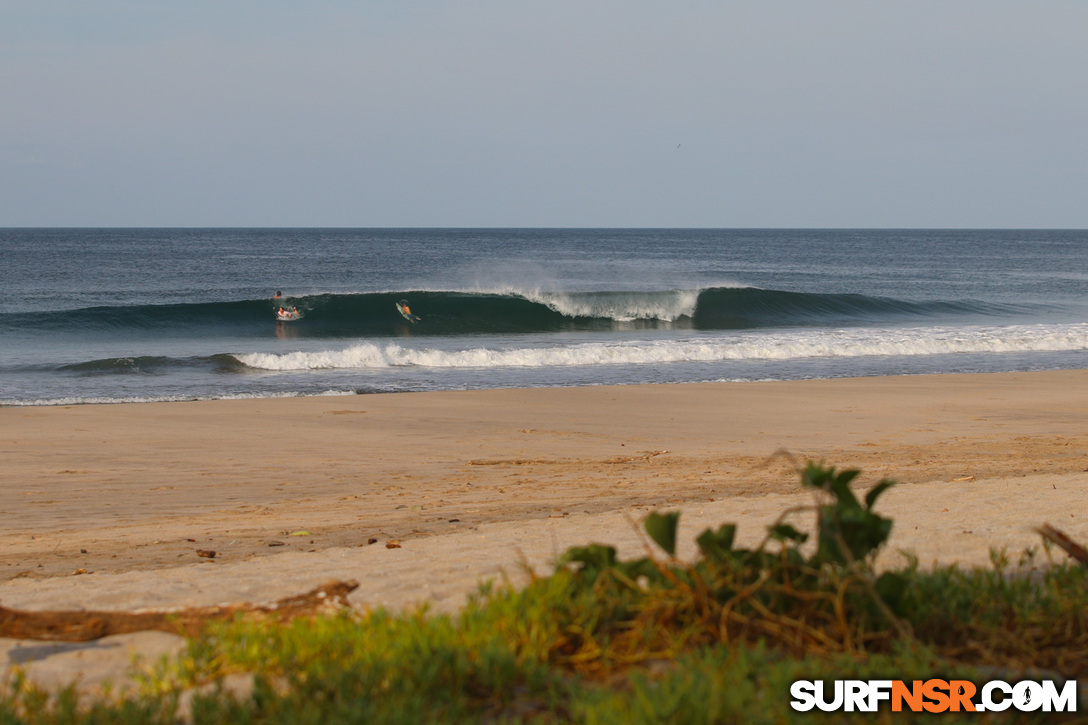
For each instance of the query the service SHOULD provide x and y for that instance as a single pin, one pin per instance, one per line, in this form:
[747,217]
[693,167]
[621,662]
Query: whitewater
[773,346]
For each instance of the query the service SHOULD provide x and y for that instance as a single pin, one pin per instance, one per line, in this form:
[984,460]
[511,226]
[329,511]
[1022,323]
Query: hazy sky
[768,113]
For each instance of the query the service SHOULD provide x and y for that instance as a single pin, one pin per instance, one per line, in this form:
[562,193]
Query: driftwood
[1064,543]
[84,626]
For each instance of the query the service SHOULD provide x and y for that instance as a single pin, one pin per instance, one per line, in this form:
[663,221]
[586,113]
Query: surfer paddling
[287,314]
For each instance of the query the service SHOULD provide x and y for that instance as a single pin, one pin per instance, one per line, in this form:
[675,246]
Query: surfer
[287,314]
[406,311]
[277,296]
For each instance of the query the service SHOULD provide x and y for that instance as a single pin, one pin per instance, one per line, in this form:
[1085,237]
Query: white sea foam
[788,345]
[665,305]
[623,307]
[104,400]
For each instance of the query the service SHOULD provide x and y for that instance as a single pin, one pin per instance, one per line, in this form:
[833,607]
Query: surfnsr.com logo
[933,696]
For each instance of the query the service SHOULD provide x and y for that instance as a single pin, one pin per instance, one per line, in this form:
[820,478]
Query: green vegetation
[650,640]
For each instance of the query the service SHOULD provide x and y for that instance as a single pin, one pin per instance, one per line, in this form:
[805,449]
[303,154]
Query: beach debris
[300,533]
[205,553]
[77,572]
[82,551]
[1063,542]
[642,456]
[372,540]
[83,626]
[963,478]
[276,543]
[392,544]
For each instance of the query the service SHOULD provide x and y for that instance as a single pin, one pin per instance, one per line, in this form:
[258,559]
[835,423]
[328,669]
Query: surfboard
[406,315]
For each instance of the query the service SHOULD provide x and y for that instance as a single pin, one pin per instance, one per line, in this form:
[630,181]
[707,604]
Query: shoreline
[69,403]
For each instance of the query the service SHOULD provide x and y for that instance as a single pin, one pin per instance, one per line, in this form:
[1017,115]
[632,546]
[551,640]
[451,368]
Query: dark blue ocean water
[166,314]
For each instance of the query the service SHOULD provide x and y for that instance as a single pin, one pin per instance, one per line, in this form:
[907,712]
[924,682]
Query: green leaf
[826,479]
[639,567]
[717,544]
[662,529]
[840,488]
[862,531]
[786,532]
[816,476]
[592,559]
[874,493]
[891,587]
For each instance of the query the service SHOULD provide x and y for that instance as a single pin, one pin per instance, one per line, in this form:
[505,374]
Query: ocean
[120,315]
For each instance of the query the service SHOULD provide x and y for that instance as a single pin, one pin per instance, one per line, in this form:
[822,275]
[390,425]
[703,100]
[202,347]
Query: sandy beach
[420,496]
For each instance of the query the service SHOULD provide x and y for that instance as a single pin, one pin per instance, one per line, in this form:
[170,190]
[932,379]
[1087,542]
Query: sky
[565,113]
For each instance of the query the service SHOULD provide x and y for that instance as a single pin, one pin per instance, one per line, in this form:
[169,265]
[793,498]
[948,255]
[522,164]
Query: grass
[646,640]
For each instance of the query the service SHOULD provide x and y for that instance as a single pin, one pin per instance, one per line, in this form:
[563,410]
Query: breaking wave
[513,312]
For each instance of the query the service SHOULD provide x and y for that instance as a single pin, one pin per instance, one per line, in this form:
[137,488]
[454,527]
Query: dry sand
[105,506]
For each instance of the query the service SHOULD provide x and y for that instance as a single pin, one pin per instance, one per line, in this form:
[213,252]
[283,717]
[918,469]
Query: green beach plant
[822,598]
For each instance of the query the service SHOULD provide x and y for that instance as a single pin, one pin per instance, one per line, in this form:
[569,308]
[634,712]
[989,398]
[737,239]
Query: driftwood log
[77,626]
[1063,542]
